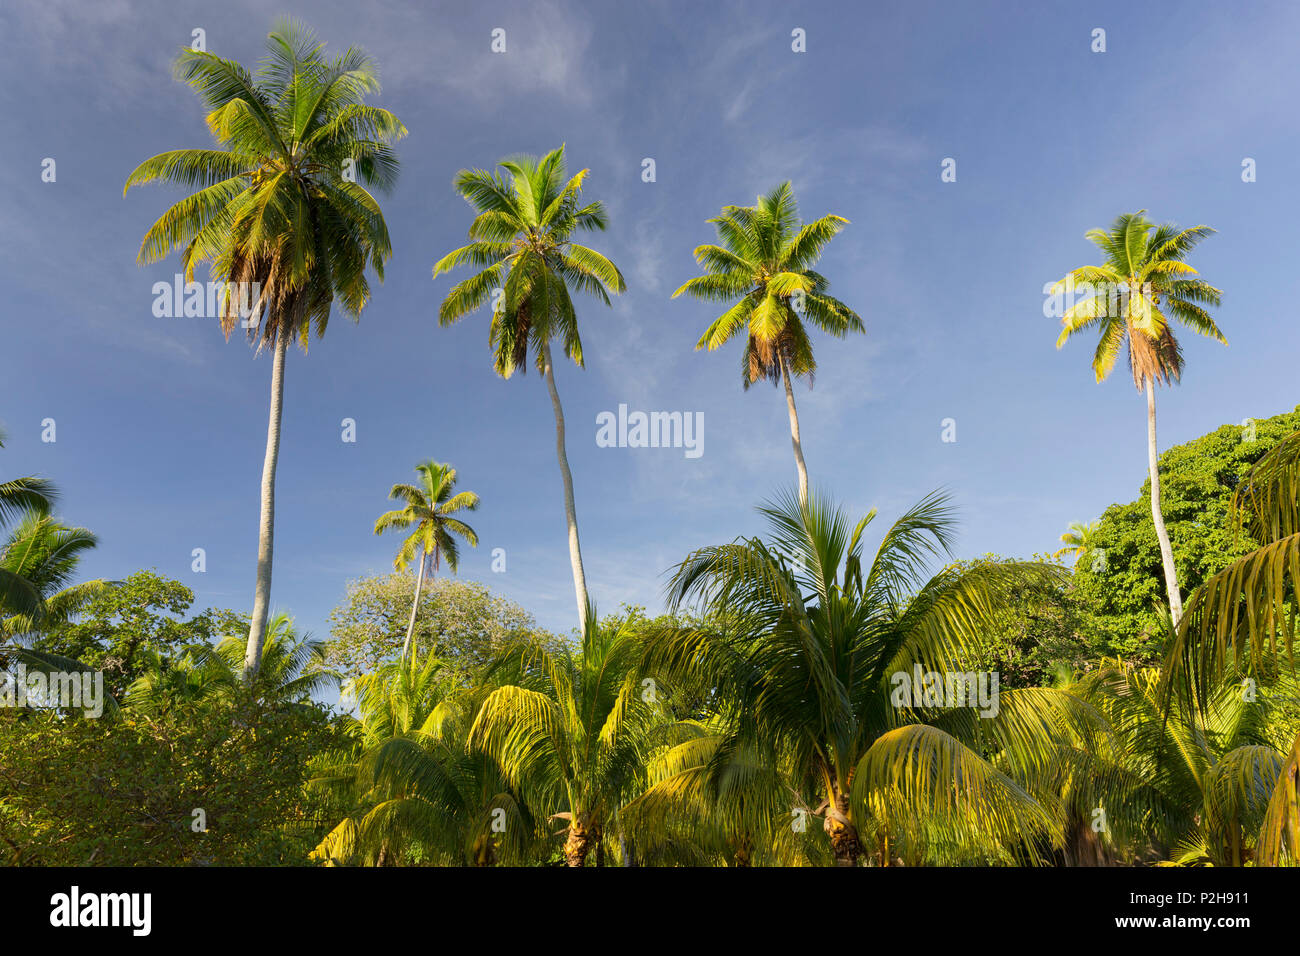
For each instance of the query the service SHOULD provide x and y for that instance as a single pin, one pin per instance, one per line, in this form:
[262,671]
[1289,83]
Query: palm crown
[430,505]
[764,261]
[20,497]
[522,242]
[1080,540]
[1134,294]
[280,203]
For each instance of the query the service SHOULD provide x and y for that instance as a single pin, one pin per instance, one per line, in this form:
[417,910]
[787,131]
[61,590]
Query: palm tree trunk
[579,841]
[794,429]
[845,844]
[570,512]
[1166,552]
[415,606]
[266,527]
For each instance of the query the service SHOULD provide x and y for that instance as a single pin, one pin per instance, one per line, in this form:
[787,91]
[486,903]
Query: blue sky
[161,422]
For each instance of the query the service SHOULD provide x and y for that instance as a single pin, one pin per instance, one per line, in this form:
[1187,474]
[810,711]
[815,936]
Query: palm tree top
[282,201]
[429,506]
[1134,295]
[522,241]
[763,263]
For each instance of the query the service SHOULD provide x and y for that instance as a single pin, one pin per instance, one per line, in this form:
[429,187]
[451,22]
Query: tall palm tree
[430,505]
[20,497]
[1080,540]
[522,241]
[283,208]
[1132,299]
[568,729]
[765,262]
[809,664]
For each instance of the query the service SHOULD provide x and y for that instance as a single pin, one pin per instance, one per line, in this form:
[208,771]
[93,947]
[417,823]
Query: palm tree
[1080,540]
[765,261]
[521,240]
[416,790]
[1241,621]
[710,801]
[429,507]
[809,663]
[293,668]
[568,729]
[1174,780]
[20,497]
[42,554]
[1132,298]
[281,211]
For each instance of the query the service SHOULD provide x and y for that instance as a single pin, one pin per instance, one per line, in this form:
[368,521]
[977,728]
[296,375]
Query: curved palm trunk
[570,512]
[415,605]
[1166,552]
[794,429]
[266,526]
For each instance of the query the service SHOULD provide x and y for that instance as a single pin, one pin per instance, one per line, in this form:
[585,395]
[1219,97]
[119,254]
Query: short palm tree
[18,498]
[764,262]
[42,554]
[1242,621]
[710,799]
[568,729]
[293,669]
[808,664]
[522,241]
[430,505]
[1185,783]
[417,792]
[1132,300]
[1080,540]
[282,207]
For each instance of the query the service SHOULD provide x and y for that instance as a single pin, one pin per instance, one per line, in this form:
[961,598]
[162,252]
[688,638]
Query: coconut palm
[1242,621]
[522,241]
[1171,780]
[282,213]
[430,505]
[42,554]
[20,497]
[568,729]
[417,791]
[765,262]
[1080,540]
[712,798]
[1132,300]
[809,664]
[293,669]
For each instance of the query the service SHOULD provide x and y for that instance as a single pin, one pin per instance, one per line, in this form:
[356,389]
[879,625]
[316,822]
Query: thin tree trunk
[266,527]
[1166,552]
[570,512]
[419,586]
[794,429]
